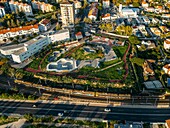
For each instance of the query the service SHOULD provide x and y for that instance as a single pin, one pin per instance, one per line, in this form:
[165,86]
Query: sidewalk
[16,124]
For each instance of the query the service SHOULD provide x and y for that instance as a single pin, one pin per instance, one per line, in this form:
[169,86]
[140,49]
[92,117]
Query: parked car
[107,109]
[60,114]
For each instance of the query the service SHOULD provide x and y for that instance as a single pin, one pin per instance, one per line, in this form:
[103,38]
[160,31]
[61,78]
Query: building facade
[106,3]
[19,7]
[44,7]
[67,13]
[44,25]
[30,48]
[12,32]
[61,35]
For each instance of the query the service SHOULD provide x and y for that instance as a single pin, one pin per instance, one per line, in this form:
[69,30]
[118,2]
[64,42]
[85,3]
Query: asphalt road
[84,111]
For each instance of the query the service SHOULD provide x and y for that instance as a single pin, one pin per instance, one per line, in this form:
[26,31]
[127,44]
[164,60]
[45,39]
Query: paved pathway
[16,124]
[109,66]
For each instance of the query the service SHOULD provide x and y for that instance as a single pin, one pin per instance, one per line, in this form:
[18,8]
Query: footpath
[113,104]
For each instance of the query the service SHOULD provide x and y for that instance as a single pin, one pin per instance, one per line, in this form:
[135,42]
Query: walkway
[115,35]
[108,67]
[16,124]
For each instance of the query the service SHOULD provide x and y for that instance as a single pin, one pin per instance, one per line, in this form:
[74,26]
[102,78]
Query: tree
[114,2]
[137,61]
[54,8]
[128,2]
[18,22]
[77,20]
[102,26]
[109,27]
[8,24]
[134,40]
[124,30]
[87,20]
[85,4]
[58,26]
[11,72]
[13,23]
[54,17]
[8,16]
[128,30]
[21,14]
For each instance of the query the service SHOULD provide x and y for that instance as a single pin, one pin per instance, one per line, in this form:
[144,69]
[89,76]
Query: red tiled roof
[106,15]
[79,34]
[167,41]
[45,21]
[18,29]
[168,123]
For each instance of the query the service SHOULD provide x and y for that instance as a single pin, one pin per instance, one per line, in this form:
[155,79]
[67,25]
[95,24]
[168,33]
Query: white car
[107,109]
[34,106]
[60,114]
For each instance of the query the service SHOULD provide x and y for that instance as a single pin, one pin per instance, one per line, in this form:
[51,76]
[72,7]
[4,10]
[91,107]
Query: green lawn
[80,54]
[6,119]
[108,63]
[120,50]
[112,73]
[34,64]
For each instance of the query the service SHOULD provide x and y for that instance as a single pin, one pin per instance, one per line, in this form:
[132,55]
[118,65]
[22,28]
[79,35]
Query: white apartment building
[77,5]
[12,32]
[60,35]
[167,44]
[44,25]
[44,7]
[166,69]
[8,50]
[145,4]
[2,12]
[127,12]
[109,16]
[106,3]
[31,47]
[18,7]
[67,13]
[22,52]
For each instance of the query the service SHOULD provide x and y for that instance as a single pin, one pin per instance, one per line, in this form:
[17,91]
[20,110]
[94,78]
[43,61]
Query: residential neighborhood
[116,47]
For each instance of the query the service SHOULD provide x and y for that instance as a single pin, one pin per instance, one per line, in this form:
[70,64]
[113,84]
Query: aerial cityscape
[85,63]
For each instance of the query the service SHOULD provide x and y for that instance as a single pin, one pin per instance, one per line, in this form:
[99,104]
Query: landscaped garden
[119,50]
[7,119]
[115,72]
[109,70]
[80,54]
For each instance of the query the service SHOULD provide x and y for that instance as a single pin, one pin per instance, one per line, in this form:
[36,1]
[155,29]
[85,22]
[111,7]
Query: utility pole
[45,81]
[39,91]
[107,99]
[132,100]
[155,102]
[9,83]
[39,81]
[146,100]
[107,124]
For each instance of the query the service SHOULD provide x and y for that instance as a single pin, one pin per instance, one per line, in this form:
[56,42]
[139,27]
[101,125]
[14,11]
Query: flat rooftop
[18,52]
[32,41]
[15,46]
